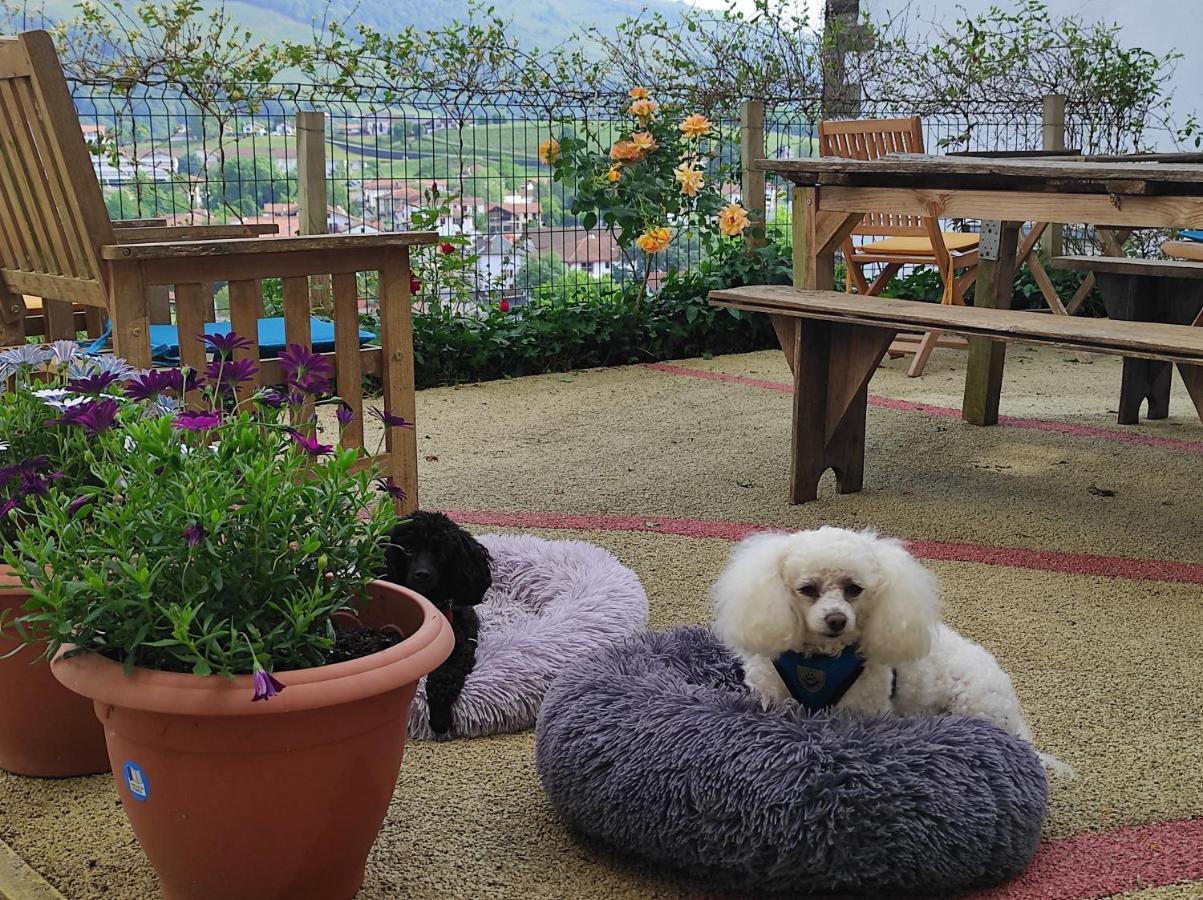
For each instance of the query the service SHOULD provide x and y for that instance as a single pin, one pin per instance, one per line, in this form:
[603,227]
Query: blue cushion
[1191,235]
[165,341]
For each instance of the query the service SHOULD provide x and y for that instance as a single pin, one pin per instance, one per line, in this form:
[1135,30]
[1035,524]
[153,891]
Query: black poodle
[428,553]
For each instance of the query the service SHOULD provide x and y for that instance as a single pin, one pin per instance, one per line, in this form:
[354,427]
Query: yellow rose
[690,179]
[549,151]
[638,93]
[625,151]
[643,109]
[654,240]
[695,126]
[614,174]
[733,220]
[644,142]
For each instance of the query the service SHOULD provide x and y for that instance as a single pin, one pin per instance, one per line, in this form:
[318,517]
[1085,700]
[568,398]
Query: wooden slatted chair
[900,240]
[58,243]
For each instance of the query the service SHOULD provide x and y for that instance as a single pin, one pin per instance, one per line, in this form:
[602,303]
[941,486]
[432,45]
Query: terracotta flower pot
[45,730]
[277,799]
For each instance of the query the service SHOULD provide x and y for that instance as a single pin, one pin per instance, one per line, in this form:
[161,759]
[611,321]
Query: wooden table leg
[12,319]
[984,373]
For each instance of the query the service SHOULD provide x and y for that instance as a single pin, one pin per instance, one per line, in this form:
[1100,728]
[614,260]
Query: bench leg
[834,363]
[984,371]
[1192,376]
[1144,379]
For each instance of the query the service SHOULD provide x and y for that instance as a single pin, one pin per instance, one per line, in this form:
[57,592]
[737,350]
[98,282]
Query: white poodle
[793,605]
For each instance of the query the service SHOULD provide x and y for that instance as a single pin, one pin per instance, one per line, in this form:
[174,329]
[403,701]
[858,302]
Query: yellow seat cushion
[32,304]
[919,245]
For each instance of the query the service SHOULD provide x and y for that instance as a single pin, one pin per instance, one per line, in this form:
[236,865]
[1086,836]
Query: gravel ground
[1108,668]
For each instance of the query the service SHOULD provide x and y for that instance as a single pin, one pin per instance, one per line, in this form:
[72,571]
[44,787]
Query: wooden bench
[843,340]
[1144,290]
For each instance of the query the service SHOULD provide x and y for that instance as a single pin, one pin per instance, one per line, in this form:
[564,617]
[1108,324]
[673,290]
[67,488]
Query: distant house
[595,253]
[430,126]
[284,129]
[93,133]
[498,259]
[513,214]
[251,127]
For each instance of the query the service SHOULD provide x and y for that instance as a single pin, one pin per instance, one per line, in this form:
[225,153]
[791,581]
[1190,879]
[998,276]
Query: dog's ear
[473,577]
[754,609]
[905,613]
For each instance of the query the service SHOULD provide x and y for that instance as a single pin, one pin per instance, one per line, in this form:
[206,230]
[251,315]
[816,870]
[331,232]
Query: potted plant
[58,402]
[214,597]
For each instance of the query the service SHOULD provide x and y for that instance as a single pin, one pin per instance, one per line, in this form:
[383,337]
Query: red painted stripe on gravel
[1091,866]
[986,554]
[947,412]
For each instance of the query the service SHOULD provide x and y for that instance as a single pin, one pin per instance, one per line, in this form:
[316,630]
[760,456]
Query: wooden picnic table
[832,194]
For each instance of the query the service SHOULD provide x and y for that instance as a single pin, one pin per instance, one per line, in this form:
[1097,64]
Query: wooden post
[751,147]
[1053,138]
[12,318]
[312,190]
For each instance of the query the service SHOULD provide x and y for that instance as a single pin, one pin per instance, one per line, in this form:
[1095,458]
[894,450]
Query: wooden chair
[58,243]
[902,240]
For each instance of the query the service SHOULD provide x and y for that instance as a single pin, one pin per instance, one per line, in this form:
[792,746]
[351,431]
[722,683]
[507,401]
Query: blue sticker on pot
[135,780]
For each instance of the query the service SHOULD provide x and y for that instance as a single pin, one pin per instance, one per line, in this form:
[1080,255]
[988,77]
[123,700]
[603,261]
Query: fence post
[312,190]
[1053,138]
[751,146]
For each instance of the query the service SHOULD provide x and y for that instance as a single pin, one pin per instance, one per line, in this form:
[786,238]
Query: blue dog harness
[820,681]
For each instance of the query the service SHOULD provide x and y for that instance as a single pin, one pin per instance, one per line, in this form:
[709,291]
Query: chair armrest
[181,250]
[159,234]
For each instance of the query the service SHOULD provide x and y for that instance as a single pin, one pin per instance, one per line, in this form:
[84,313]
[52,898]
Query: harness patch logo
[812,680]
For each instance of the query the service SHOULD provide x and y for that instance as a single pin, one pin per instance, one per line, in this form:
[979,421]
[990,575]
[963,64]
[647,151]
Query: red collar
[450,614]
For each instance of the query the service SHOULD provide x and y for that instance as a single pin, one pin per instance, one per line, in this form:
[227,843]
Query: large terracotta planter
[45,730]
[276,799]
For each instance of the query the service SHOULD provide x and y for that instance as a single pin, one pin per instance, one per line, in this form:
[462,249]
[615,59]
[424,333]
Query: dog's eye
[809,590]
[853,591]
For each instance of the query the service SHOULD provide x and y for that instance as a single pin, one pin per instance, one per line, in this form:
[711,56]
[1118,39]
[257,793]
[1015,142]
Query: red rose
[504,306]
[414,284]
[446,248]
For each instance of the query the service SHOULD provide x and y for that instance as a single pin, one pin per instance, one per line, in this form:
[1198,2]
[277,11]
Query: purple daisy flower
[93,385]
[224,345]
[76,505]
[156,381]
[305,370]
[389,420]
[266,686]
[8,506]
[227,374]
[197,421]
[99,416]
[194,534]
[390,487]
[310,444]
[344,413]
[271,398]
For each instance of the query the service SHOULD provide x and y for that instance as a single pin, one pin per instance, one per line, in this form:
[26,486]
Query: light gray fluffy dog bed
[553,604]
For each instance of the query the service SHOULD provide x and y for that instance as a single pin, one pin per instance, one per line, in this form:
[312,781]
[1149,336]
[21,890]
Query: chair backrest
[869,139]
[53,220]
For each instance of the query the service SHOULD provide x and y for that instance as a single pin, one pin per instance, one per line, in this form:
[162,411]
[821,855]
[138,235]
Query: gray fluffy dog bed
[552,604]
[657,750]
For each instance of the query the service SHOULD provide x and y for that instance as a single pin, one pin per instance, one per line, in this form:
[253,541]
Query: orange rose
[695,126]
[638,93]
[625,151]
[690,179]
[549,151]
[654,240]
[733,220]
[643,109]
[644,142]
[614,174]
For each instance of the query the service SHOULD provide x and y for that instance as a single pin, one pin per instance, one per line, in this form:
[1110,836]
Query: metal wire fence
[158,155]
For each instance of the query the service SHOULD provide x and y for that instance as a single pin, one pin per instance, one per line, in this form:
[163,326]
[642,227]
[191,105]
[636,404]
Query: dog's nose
[421,577]
[835,622]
